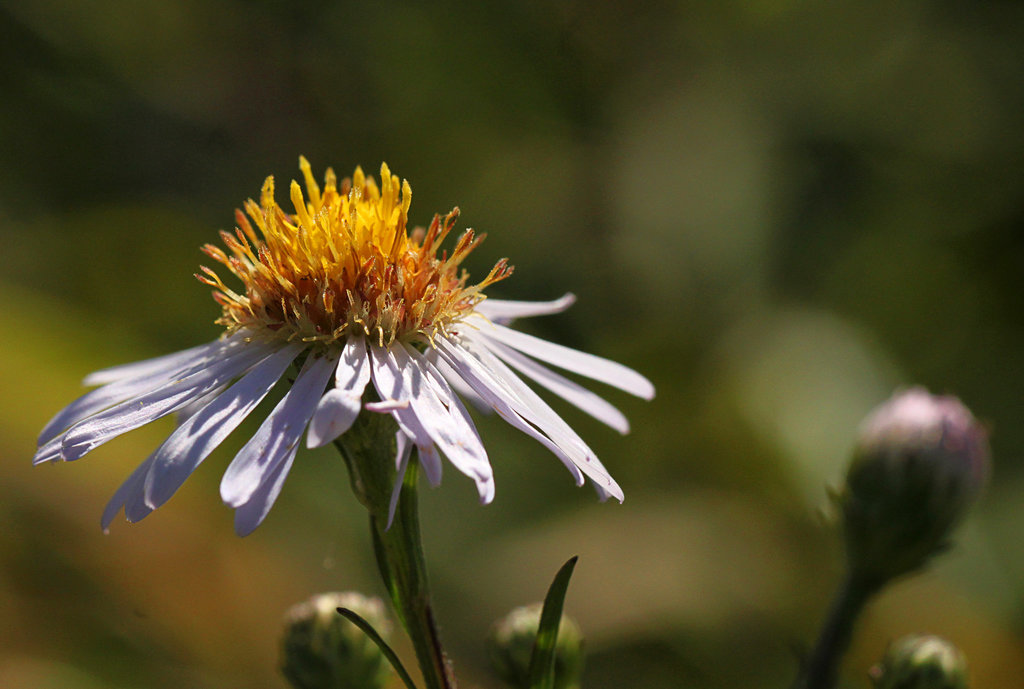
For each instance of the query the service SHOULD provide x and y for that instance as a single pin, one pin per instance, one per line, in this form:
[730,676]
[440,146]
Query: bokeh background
[778,211]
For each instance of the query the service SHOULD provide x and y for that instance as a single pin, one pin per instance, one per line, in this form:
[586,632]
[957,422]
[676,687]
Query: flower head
[342,290]
[344,263]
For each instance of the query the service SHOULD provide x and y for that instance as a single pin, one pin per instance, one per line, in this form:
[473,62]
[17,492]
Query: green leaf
[392,657]
[542,658]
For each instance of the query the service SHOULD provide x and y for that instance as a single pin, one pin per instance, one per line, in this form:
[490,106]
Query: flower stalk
[369,450]
[919,463]
[400,558]
[821,667]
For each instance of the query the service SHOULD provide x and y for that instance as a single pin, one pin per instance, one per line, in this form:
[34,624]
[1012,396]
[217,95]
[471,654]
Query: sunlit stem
[400,558]
[369,451]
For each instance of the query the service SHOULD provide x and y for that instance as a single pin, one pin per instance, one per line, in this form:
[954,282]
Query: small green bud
[323,650]
[921,662]
[920,462]
[510,645]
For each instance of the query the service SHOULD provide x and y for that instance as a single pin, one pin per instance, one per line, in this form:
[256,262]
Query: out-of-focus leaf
[542,660]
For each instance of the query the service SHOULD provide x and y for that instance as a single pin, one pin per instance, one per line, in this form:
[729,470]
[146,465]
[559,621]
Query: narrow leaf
[542,659]
[392,657]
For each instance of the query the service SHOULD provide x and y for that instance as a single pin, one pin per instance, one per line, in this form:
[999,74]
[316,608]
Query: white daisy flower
[343,291]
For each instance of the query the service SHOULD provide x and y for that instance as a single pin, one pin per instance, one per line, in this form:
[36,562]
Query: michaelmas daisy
[374,317]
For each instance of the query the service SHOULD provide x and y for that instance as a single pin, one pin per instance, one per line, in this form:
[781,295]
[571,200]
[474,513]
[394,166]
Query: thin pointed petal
[48,452]
[503,385]
[590,402]
[499,399]
[278,436]
[251,514]
[135,507]
[431,463]
[403,449]
[92,432]
[389,385]
[445,418]
[387,406]
[197,405]
[338,409]
[125,494]
[595,367]
[146,378]
[503,311]
[458,440]
[334,414]
[551,423]
[147,366]
[457,383]
[193,441]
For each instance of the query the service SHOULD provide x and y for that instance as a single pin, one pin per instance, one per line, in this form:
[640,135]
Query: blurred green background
[778,211]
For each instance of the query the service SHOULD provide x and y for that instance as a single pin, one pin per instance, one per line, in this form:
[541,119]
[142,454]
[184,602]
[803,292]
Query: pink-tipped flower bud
[921,662]
[920,462]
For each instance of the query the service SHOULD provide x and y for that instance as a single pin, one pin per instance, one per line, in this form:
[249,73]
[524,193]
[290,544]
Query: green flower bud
[921,662]
[510,644]
[920,462]
[323,650]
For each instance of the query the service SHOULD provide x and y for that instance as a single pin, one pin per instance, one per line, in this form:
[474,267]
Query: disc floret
[344,262]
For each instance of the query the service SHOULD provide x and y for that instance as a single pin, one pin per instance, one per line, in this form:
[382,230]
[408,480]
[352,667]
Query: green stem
[400,558]
[368,449]
[822,666]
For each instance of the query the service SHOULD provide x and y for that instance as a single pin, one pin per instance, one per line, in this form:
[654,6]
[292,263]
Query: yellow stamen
[344,261]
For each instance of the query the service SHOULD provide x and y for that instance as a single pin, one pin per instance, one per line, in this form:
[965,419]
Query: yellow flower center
[344,262]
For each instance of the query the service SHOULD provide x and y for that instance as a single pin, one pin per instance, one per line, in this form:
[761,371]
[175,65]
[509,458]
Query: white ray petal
[128,492]
[387,406]
[193,441]
[126,387]
[48,451]
[502,401]
[446,394]
[533,409]
[588,401]
[338,409]
[430,461]
[251,514]
[452,435]
[460,418]
[457,383]
[553,424]
[391,388]
[403,449]
[503,311]
[135,507]
[196,405]
[135,369]
[92,432]
[595,367]
[278,436]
